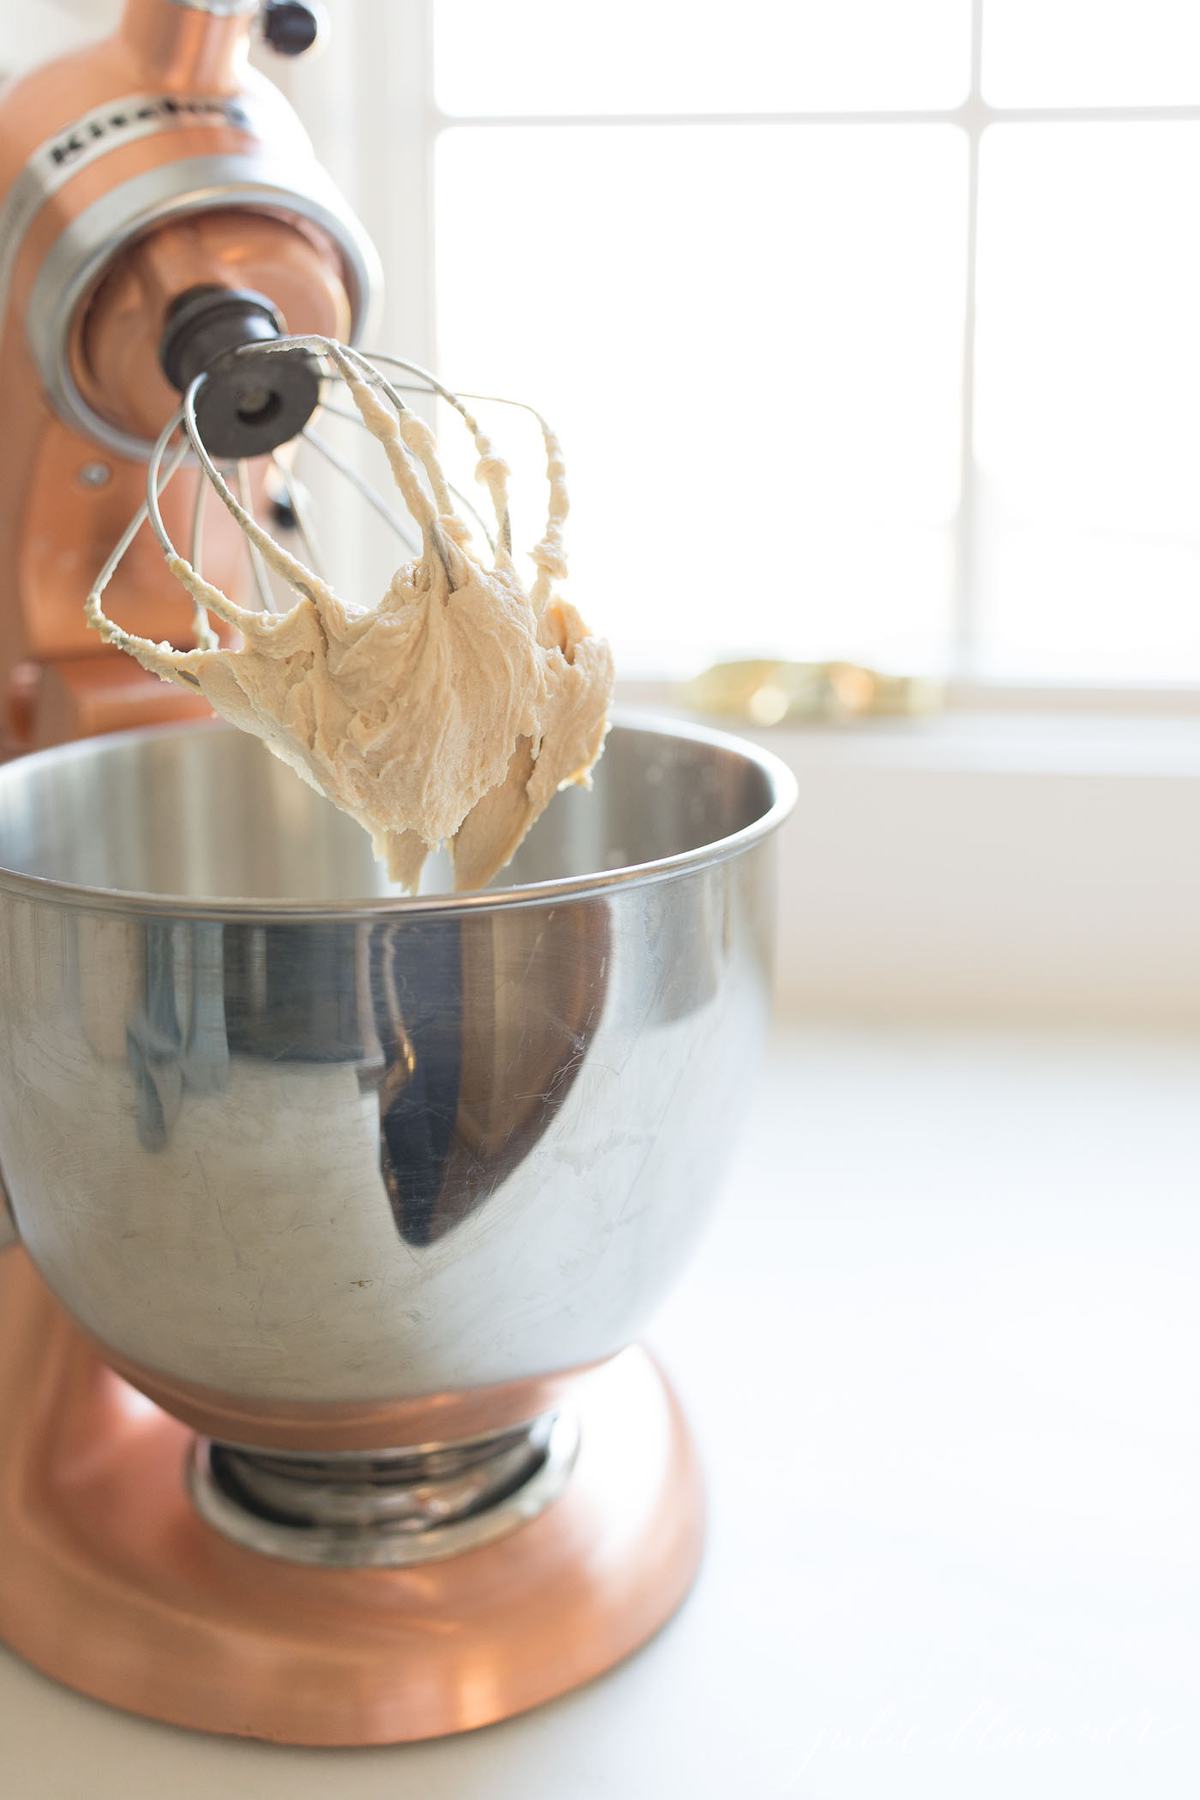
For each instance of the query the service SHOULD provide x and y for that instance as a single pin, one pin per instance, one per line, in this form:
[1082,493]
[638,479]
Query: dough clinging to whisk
[452,711]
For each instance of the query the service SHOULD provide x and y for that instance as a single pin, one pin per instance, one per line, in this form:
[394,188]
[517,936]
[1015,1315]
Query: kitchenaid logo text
[100,126]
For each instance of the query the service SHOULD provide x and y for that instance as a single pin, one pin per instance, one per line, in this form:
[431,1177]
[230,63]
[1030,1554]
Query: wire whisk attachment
[448,711]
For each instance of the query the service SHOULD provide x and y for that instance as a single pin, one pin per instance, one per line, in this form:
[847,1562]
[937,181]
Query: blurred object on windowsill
[761,693]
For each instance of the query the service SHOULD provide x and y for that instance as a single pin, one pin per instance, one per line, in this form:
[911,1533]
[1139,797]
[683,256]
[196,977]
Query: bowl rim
[232,908]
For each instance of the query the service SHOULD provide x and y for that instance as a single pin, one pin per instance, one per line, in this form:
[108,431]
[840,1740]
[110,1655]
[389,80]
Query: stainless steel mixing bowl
[272,1131]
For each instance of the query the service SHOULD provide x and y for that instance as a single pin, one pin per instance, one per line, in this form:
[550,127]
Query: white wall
[48,27]
[1013,871]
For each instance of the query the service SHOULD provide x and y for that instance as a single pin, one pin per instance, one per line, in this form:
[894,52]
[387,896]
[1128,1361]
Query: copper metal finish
[110,1582]
[193,52]
[114,352]
[55,534]
[89,695]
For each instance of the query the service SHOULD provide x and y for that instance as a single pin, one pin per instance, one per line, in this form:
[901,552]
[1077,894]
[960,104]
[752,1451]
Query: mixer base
[112,1584]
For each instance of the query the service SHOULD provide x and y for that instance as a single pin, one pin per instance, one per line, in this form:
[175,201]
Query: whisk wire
[258,568]
[149,509]
[297,498]
[359,482]
[429,497]
[463,500]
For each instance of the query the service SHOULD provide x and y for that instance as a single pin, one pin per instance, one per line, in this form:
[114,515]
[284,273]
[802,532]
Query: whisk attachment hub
[248,404]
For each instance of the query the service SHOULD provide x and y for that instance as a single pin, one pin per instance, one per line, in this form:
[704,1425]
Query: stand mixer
[160,203]
[333,1214]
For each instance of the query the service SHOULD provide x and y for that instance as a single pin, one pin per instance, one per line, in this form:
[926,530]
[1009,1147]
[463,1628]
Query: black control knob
[291,27]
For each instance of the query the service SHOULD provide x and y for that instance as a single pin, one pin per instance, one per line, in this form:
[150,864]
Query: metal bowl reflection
[278,1136]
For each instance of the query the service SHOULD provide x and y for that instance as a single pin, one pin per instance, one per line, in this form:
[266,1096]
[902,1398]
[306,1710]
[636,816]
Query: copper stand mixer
[160,202]
[332,1214]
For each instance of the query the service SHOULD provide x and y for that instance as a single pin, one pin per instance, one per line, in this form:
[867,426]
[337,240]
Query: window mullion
[965,625]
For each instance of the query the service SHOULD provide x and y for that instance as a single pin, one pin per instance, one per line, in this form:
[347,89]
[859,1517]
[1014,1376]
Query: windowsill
[989,743]
[1051,738]
[1015,866]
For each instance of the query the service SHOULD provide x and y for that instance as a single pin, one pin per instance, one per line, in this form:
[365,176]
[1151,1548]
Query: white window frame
[383,80]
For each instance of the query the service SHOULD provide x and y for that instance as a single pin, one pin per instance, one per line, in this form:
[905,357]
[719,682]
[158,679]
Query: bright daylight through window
[870,328]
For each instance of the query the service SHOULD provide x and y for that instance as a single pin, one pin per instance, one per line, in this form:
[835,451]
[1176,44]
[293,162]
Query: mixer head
[160,207]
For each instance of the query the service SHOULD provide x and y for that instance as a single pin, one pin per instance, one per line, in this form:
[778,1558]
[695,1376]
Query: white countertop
[942,1351]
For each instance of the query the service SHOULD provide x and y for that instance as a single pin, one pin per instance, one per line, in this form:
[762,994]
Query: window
[869,325]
